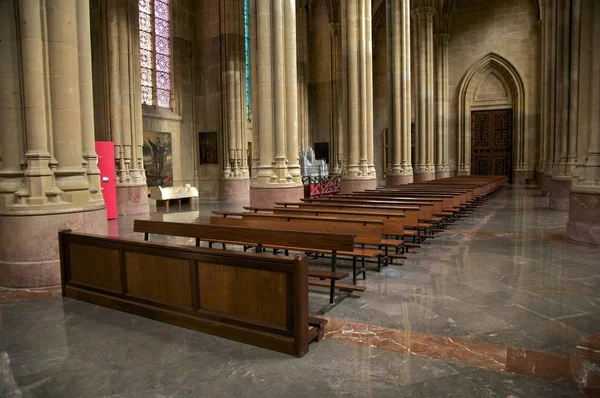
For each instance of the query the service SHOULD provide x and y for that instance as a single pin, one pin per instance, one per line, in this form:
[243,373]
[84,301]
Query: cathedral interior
[478,120]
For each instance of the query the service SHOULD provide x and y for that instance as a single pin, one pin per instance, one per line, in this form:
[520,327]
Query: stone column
[302,49]
[399,85]
[549,88]
[125,106]
[357,78]
[442,169]
[584,207]
[337,104]
[423,20]
[234,184]
[561,179]
[541,26]
[276,114]
[87,100]
[51,44]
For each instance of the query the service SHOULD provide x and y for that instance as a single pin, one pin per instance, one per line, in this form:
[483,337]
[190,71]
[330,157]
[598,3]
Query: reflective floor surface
[494,306]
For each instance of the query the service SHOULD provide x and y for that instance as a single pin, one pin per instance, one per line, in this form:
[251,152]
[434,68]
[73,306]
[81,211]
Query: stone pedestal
[420,177]
[584,218]
[132,199]
[463,173]
[234,190]
[559,190]
[397,180]
[350,185]
[442,174]
[267,196]
[29,249]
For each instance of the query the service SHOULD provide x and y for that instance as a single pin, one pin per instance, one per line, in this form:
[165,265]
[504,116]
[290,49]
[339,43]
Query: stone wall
[504,27]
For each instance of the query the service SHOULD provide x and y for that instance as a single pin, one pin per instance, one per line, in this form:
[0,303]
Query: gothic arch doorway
[492,86]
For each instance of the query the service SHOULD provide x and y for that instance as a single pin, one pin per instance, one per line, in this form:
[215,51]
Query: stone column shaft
[337,100]
[114,78]
[399,92]
[87,100]
[357,79]
[424,27]
[291,90]
[574,85]
[550,85]
[278,171]
[125,119]
[441,137]
[65,99]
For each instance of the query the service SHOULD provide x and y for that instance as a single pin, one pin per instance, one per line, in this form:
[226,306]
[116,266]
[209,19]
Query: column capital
[423,14]
[443,38]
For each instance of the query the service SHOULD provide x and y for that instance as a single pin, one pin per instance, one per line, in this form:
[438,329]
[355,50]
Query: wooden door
[491,142]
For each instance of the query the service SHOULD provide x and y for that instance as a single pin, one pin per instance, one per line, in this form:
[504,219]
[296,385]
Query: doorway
[491,142]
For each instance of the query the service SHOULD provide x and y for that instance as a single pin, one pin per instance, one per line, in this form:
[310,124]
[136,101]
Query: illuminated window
[247,50]
[155,52]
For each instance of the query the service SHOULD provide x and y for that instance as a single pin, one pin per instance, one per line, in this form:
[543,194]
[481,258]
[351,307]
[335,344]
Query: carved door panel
[491,138]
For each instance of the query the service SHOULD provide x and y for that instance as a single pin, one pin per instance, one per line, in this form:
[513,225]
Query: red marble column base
[420,177]
[559,191]
[29,251]
[442,174]
[395,180]
[350,185]
[584,218]
[234,190]
[132,199]
[267,196]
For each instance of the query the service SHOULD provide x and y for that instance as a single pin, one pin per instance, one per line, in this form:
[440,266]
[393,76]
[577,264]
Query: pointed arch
[511,78]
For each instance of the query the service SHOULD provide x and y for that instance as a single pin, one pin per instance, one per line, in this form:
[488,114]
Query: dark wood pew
[367,233]
[256,299]
[260,238]
[411,214]
[393,224]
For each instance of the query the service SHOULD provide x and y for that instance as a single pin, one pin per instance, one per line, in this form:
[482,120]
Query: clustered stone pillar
[337,97]
[584,203]
[423,20]
[561,175]
[125,106]
[49,179]
[275,129]
[399,167]
[442,169]
[235,178]
[357,80]
[302,46]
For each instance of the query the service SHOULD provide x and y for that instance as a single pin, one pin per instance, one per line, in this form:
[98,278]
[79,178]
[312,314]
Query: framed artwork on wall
[208,148]
[158,159]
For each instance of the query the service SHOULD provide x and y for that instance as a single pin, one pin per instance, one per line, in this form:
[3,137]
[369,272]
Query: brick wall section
[506,27]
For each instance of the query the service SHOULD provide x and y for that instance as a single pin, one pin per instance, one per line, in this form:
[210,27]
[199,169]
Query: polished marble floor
[494,306]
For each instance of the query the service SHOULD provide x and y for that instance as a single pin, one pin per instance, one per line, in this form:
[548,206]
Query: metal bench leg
[332,283]
[354,270]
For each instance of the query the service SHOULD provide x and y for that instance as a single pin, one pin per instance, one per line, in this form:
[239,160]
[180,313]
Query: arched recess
[467,91]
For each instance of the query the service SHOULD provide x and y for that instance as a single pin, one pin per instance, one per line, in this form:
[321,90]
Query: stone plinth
[559,190]
[267,196]
[132,199]
[350,185]
[520,177]
[29,255]
[546,181]
[442,174]
[584,218]
[392,180]
[420,177]
[234,190]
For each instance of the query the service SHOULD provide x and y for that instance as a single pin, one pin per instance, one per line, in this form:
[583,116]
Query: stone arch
[510,77]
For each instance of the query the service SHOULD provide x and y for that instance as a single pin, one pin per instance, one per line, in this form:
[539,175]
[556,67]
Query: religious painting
[208,148]
[158,159]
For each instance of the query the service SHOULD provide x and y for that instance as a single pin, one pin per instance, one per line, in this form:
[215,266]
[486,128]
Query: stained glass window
[155,52]
[247,51]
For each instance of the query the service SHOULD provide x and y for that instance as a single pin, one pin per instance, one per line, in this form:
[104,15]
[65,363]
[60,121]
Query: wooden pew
[256,299]
[259,238]
[411,214]
[367,233]
[393,224]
